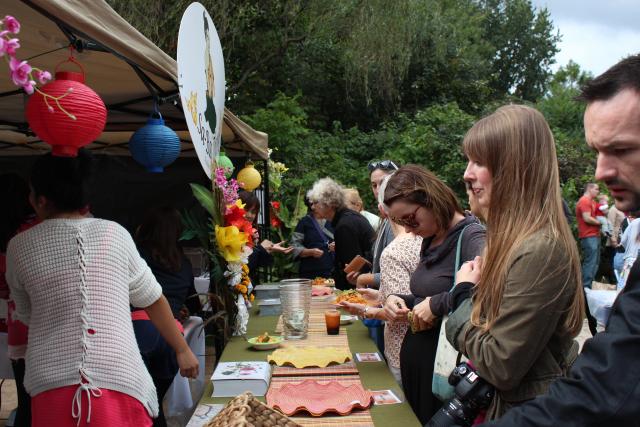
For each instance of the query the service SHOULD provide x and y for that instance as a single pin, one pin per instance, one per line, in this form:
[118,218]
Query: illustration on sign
[201,81]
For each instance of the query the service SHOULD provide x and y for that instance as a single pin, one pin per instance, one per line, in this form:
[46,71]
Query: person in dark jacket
[157,241]
[310,242]
[352,232]
[602,386]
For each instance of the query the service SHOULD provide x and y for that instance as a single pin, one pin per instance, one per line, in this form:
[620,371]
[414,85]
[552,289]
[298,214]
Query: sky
[595,33]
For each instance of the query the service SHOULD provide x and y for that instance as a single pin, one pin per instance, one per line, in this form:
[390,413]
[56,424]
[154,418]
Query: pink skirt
[52,408]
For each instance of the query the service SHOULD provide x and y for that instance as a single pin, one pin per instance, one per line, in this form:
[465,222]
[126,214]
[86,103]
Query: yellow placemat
[301,357]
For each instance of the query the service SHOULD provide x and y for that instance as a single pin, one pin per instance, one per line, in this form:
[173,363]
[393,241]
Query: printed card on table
[385,397]
[368,357]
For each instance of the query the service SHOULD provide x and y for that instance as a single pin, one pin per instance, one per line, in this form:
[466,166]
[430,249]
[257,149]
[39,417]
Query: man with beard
[602,386]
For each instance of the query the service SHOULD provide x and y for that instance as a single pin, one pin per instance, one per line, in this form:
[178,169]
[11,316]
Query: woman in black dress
[424,205]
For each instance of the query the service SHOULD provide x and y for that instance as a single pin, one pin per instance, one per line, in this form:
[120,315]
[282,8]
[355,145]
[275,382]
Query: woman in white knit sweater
[72,279]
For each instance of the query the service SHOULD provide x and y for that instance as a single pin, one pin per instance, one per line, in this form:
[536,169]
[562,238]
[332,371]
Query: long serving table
[372,375]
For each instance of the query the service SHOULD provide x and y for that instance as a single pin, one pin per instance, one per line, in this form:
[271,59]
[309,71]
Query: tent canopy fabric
[125,68]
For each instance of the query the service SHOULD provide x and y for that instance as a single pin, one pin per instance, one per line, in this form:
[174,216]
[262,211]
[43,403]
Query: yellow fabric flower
[230,241]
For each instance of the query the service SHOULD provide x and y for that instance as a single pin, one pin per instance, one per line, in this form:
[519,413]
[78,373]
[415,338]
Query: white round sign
[201,82]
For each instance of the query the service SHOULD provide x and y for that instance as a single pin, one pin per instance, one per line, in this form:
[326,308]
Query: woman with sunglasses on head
[384,233]
[527,297]
[424,205]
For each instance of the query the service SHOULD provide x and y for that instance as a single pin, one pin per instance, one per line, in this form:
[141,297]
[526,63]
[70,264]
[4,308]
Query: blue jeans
[590,259]
[618,262]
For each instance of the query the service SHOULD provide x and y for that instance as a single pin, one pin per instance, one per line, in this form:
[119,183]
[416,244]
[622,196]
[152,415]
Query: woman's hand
[280,248]
[365,280]
[372,295]
[188,363]
[352,277]
[470,271]
[315,253]
[423,315]
[352,308]
[395,309]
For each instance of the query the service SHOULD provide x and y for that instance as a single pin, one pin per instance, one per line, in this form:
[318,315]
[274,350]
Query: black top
[353,236]
[176,285]
[311,267]
[258,258]
[434,275]
[602,386]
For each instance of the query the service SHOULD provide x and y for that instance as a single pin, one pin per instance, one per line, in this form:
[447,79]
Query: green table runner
[374,375]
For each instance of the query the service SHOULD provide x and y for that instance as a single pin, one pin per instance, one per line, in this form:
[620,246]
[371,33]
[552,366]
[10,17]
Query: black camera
[471,394]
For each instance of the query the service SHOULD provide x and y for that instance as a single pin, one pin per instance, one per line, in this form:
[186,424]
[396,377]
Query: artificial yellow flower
[230,242]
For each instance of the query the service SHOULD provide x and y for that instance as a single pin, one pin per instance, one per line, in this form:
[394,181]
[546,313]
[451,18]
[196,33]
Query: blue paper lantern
[155,145]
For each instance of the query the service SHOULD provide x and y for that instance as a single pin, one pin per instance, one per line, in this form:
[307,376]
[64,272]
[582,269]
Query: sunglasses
[408,220]
[386,165]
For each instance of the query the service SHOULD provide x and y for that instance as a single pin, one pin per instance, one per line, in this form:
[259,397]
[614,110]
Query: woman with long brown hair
[527,298]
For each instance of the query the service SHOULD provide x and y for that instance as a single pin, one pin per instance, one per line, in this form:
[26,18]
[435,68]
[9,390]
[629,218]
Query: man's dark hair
[624,75]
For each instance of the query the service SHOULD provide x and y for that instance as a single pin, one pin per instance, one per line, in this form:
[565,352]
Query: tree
[524,43]
[362,62]
[565,115]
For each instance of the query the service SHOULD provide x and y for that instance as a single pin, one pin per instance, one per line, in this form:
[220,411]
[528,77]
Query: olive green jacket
[528,346]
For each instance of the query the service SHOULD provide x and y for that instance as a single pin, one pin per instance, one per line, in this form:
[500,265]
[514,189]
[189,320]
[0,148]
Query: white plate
[346,319]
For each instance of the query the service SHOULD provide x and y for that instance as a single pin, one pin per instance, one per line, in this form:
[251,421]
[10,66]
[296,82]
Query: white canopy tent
[125,68]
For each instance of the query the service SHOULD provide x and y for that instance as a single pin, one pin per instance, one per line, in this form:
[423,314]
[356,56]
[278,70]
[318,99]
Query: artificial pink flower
[12,24]
[43,76]
[19,71]
[11,46]
[29,87]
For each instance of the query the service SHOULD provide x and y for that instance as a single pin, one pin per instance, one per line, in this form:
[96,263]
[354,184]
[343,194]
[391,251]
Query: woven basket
[246,411]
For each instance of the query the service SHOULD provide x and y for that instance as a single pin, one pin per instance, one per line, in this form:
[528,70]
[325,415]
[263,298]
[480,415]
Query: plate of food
[265,342]
[351,296]
[321,281]
[347,319]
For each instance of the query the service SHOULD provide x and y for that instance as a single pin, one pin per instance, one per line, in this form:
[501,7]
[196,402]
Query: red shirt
[586,205]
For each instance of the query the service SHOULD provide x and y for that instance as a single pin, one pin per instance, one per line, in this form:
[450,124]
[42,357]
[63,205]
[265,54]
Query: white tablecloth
[600,303]
[179,396]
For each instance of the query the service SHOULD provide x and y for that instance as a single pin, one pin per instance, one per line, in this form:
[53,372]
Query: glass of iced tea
[332,319]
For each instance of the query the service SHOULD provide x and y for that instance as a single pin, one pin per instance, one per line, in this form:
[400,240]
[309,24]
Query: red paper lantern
[50,117]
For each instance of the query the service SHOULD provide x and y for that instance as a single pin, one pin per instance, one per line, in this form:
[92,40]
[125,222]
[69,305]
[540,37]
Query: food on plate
[321,281]
[264,338]
[351,296]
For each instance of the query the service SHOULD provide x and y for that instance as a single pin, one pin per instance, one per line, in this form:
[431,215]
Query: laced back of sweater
[72,281]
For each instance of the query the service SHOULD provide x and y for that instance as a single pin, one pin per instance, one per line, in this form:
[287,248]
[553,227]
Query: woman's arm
[532,307]
[18,294]
[160,314]
[297,238]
